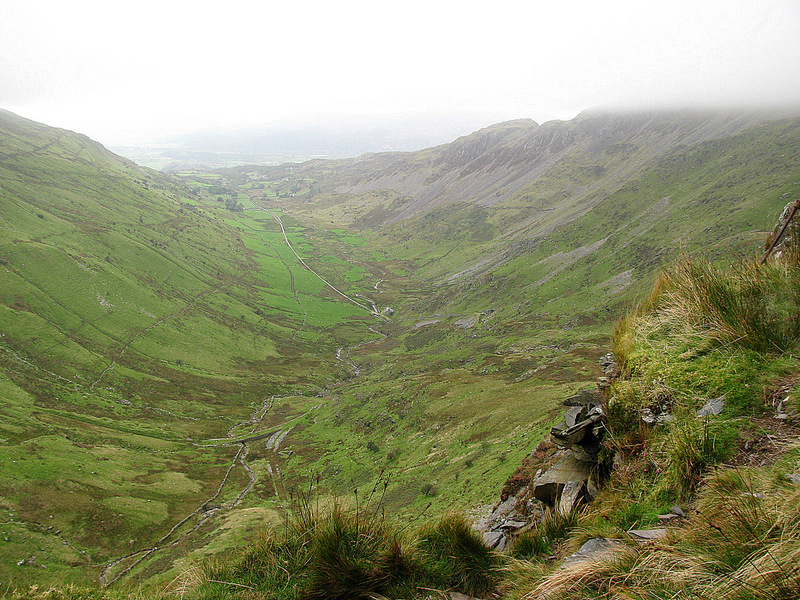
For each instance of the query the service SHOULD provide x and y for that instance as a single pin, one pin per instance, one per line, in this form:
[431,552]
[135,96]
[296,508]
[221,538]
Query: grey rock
[572,495]
[573,415]
[677,510]
[714,406]
[504,508]
[548,486]
[584,397]
[649,417]
[668,517]
[493,538]
[648,534]
[511,525]
[795,479]
[593,549]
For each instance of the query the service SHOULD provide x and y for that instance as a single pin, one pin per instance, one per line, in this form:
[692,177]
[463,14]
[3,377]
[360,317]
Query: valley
[174,373]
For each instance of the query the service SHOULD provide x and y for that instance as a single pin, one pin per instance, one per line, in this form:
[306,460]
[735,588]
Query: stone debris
[572,481]
[494,539]
[715,406]
[610,367]
[548,487]
[648,534]
[677,510]
[657,415]
[666,518]
[593,549]
[504,521]
[795,479]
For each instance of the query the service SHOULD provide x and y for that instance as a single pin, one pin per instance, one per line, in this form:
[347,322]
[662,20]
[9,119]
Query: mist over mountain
[300,138]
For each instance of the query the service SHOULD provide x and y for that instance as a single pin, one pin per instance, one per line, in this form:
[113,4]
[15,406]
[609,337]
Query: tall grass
[743,545]
[540,540]
[338,554]
[708,331]
[747,304]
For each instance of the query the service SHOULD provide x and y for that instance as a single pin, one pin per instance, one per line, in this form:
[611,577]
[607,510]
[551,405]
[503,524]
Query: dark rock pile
[574,474]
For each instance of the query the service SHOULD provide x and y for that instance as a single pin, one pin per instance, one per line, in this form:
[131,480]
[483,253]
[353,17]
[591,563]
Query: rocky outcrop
[570,474]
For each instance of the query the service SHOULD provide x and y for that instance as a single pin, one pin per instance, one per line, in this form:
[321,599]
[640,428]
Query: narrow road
[372,310]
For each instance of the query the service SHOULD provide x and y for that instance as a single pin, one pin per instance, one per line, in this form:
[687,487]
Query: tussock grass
[707,331]
[540,540]
[743,543]
[338,554]
[75,592]
[699,305]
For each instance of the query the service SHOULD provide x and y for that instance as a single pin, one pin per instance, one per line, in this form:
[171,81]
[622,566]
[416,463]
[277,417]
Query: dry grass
[743,544]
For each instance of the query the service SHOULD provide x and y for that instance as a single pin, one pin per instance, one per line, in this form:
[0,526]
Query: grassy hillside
[136,324]
[718,492]
[180,356]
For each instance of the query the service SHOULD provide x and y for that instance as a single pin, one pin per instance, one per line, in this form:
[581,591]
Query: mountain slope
[135,325]
[172,370]
[555,207]
[517,166]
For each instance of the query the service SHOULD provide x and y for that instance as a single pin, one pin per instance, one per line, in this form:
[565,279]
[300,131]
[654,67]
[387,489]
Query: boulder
[593,549]
[548,486]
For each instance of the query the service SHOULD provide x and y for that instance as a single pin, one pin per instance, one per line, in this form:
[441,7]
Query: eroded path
[120,567]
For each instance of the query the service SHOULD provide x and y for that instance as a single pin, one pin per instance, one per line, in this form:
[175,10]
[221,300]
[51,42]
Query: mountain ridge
[495,166]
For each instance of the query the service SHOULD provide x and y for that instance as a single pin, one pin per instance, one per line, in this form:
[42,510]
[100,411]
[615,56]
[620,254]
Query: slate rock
[648,534]
[593,549]
[714,406]
[574,415]
[666,518]
[584,397]
[677,510]
[548,486]
[493,538]
[512,525]
[504,508]
[572,496]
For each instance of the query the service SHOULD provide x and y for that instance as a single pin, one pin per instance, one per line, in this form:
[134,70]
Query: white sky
[118,71]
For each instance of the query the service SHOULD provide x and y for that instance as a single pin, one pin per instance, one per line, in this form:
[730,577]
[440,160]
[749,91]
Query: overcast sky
[121,71]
